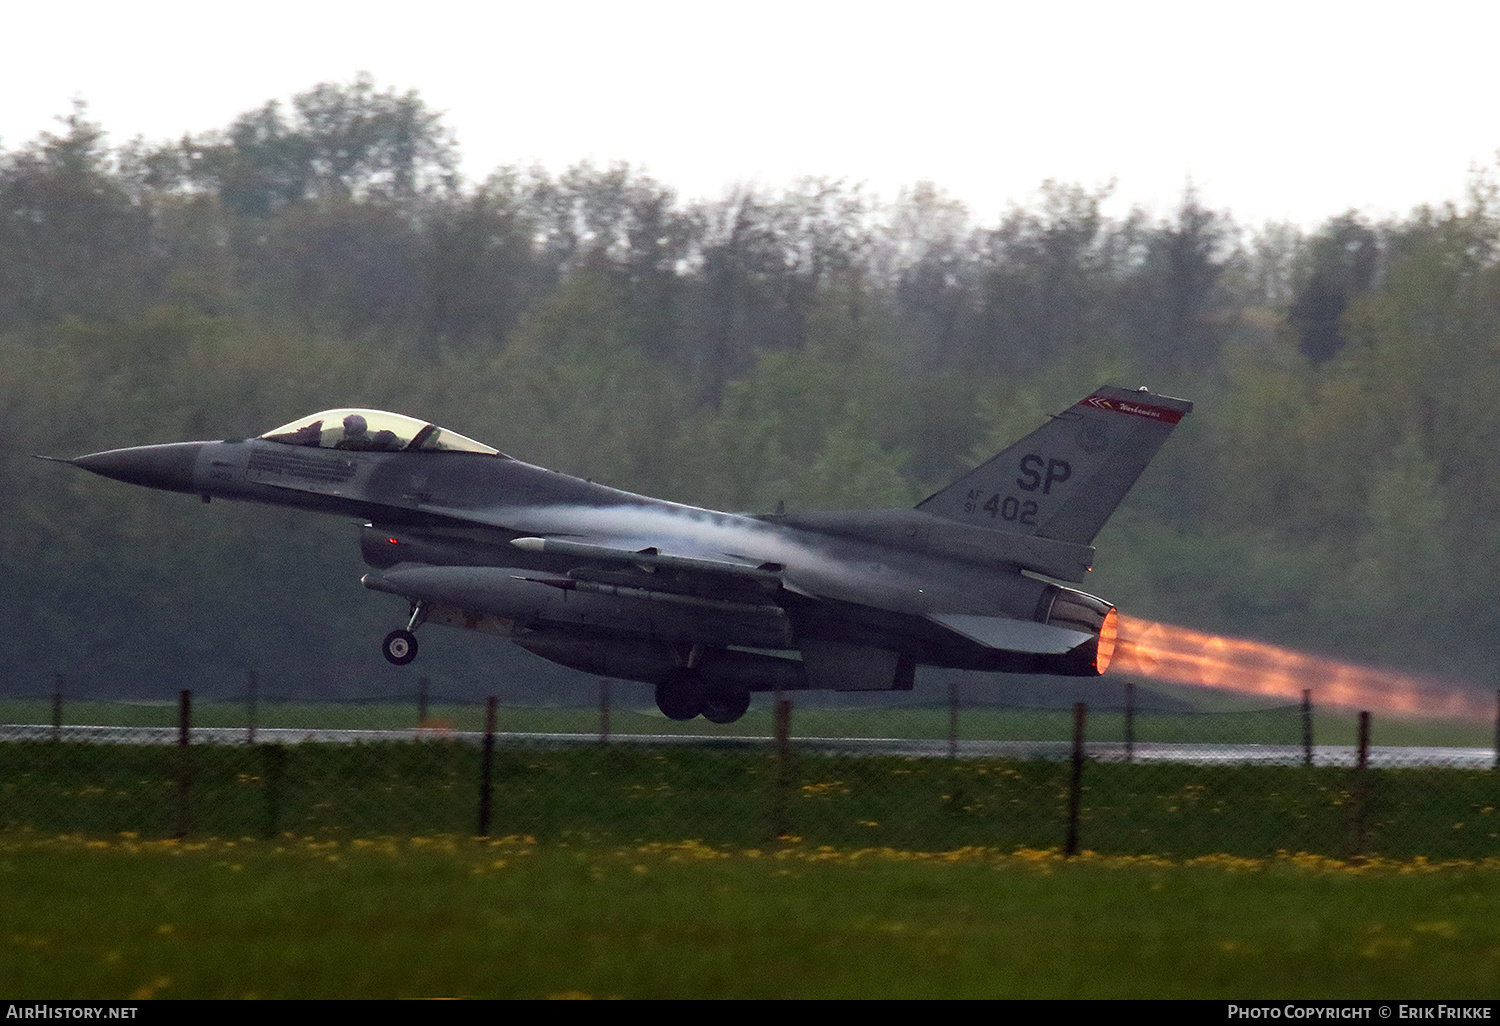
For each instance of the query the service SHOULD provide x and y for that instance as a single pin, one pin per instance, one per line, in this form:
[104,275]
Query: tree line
[810,344]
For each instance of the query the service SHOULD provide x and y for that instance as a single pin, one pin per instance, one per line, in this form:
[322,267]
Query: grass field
[580,916]
[744,798]
[337,870]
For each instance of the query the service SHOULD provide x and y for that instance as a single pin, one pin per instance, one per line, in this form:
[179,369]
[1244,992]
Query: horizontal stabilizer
[1007,635]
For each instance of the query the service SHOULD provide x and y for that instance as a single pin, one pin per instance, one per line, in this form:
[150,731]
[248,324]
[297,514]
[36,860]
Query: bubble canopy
[373,431]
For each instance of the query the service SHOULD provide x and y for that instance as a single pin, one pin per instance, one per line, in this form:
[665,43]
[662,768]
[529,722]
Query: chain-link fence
[938,776]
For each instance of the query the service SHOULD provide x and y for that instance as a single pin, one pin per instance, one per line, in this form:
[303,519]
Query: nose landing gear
[400,646]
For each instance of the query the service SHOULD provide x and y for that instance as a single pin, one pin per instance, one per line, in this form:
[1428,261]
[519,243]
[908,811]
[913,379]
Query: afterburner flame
[1182,656]
[1109,634]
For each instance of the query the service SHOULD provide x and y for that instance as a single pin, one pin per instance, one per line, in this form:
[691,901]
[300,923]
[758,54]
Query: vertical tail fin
[1064,479]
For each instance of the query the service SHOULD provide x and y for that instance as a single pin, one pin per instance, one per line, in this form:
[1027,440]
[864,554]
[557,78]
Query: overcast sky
[1275,110]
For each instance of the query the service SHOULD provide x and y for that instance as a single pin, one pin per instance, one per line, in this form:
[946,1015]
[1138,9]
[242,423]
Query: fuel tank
[537,600]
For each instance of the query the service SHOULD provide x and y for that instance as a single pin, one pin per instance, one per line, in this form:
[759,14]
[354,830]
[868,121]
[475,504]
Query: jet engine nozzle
[1065,607]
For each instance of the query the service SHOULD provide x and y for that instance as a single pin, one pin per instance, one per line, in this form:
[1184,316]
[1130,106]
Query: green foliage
[340,141]
[807,345]
[741,796]
[72,239]
[570,392]
[805,427]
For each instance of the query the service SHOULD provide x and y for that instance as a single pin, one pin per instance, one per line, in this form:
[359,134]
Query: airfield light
[1182,656]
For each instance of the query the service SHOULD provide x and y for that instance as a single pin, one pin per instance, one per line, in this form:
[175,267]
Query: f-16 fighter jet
[707,606]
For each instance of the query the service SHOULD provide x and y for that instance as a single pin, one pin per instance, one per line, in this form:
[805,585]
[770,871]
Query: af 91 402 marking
[1010,508]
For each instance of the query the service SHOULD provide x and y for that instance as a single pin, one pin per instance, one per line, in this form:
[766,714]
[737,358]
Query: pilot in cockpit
[357,437]
[356,434]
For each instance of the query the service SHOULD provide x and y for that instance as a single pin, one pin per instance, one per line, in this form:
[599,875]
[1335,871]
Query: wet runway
[1387,757]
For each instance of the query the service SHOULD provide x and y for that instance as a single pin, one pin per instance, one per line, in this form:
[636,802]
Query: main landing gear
[684,695]
[400,646]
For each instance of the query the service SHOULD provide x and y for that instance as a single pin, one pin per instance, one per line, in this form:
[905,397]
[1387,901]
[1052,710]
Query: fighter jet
[707,606]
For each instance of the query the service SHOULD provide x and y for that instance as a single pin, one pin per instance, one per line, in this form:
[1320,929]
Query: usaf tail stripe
[1162,413]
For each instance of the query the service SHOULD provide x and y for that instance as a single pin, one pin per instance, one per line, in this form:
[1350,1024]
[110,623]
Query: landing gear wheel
[725,706]
[400,647]
[680,697]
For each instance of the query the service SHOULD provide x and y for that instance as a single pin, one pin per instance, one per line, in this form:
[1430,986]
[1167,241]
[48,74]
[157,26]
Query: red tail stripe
[1136,409]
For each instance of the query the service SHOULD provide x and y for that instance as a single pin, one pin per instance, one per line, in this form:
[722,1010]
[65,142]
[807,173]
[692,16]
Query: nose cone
[155,466]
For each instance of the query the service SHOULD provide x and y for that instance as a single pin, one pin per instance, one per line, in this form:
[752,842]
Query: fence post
[1075,787]
[57,693]
[953,717]
[1307,738]
[780,804]
[251,686]
[1497,730]
[184,765]
[1361,790]
[603,710]
[184,717]
[1129,720]
[486,768]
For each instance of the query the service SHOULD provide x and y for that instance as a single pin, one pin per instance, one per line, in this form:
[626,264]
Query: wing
[654,538]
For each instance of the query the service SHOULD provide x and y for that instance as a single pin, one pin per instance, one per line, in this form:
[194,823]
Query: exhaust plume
[1179,655]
